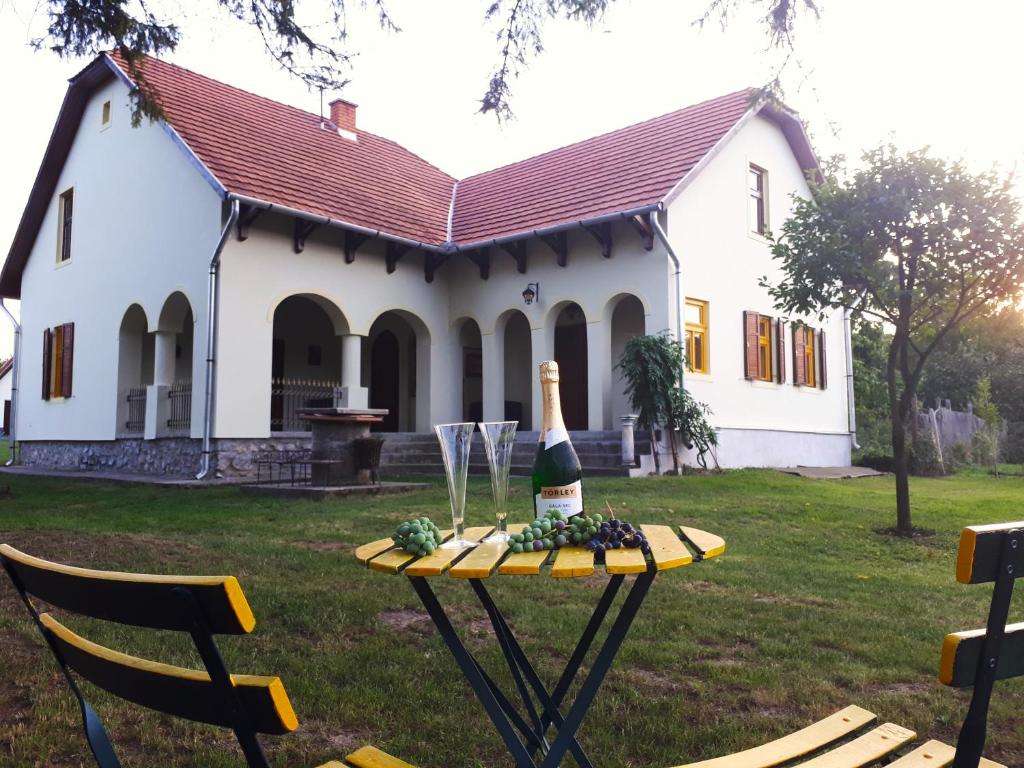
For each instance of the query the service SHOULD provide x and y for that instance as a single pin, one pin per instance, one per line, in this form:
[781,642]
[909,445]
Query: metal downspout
[211,338]
[663,237]
[15,366]
[851,406]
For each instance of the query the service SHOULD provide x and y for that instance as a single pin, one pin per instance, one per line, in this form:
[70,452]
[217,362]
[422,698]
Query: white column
[599,373]
[542,347]
[164,356]
[353,394]
[493,359]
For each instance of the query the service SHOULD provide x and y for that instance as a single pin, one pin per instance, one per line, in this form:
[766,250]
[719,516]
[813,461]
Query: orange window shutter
[47,362]
[751,334]
[822,381]
[68,359]
[799,357]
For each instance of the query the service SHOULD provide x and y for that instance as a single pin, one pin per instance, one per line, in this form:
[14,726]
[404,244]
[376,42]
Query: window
[106,114]
[58,361]
[808,357]
[697,336]
[764,348]
[65,210]
[757,179]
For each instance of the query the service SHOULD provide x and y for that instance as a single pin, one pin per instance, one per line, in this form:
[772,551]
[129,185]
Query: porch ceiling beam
[300,231]
[517,249]
[247,215]
[603,234]
[559,243]
[352,242]
[642,225]
[482,258]
[393,253]
[431,262]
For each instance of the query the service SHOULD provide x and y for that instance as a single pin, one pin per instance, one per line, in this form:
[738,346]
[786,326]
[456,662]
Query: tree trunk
[901,462]
[654,452]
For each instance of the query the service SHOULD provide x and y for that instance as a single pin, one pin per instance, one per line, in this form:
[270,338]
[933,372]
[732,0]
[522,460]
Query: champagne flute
[499,439]
[455,441]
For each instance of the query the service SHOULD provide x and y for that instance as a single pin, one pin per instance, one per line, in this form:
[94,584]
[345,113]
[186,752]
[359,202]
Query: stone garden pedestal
[334,429]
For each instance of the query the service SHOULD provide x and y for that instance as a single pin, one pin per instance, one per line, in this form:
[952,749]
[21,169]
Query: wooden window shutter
[799,357]
[780,341]
[822,381]
[750,350]
[68,358]
[47,361]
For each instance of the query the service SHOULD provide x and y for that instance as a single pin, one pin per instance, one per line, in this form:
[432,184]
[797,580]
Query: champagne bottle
[557,474]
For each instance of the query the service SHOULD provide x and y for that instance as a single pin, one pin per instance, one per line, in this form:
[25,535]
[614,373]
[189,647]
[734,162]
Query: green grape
[419,538]
[428,548]
[560,540]
[528,537]
[517,548]
[411,548]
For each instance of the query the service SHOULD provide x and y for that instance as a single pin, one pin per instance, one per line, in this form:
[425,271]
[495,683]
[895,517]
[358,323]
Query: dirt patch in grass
[405,620]
[651,680]
[913,533]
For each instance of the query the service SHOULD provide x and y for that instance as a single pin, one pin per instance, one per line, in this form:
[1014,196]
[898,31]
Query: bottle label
[567,499]
[553,437]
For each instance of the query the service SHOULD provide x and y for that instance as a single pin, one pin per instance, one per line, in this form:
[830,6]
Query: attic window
[106,114]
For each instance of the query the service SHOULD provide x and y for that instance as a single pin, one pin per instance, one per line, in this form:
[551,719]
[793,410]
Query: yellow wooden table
[526,735]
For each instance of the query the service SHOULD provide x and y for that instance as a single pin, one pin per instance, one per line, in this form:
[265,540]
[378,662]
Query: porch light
[531,292]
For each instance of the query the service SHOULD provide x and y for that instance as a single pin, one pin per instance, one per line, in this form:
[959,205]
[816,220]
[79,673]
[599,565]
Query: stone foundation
[171,456]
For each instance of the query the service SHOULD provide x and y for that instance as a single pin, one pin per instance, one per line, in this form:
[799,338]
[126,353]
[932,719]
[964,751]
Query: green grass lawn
[808,610]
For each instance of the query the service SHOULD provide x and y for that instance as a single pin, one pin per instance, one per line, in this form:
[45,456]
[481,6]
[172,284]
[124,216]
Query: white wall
[722,262]
[145,224]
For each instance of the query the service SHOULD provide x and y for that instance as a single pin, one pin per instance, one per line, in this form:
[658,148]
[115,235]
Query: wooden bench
[202,606]
[850,738]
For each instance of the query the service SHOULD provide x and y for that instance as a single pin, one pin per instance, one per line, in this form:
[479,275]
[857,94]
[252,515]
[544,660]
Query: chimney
[343,115]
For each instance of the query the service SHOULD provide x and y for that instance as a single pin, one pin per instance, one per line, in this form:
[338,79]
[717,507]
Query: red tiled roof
[622,170]
[263,149]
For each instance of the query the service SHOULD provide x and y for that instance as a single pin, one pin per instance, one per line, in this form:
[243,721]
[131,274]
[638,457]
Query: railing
[180,414]
[136,421]
[289,396]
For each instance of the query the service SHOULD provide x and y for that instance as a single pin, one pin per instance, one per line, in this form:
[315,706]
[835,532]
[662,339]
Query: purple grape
[538,545]
[615,524]
[559,524]
[627,527]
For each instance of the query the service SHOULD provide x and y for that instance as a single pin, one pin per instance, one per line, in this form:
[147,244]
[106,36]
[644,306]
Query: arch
[627,319]
[412,404]
[471,369]
[173,313]
[517,367]
[306,356]
[628,293]
[134,371]
[330,308]
[567,327]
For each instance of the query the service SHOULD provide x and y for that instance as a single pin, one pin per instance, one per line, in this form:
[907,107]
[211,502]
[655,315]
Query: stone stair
[417,453]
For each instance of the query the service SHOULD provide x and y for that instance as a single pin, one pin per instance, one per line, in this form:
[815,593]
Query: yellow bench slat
[481,562]
[864,750]
[395,560]
[796,744]
[709,544]
[371,757]
[934,754]
[369,551]
[571,562]
[667,549]
[524,563]
[332,764]
[624,560]
[438,563]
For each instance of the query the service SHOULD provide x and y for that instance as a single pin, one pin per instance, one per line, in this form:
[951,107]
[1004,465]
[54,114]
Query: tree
[650,366]
[869,389]
[318,54]
[926,243]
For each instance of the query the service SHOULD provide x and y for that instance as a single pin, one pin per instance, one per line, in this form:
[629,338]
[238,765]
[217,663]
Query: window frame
[106,114]
[57,363]
[65,225]
[757,199]
[765,349]
[691,329]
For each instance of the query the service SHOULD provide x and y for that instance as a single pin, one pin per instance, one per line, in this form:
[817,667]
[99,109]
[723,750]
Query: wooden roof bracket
[431,262]
[352,242]
[559,243]
[603,234]
[482,258]
[517,249]
[246,218]
[300,231]
[394,251]
[642,224]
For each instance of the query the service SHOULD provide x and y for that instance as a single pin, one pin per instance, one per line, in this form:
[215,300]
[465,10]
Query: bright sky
[918,72]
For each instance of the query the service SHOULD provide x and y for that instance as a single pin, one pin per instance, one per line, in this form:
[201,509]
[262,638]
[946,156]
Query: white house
[338,266]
